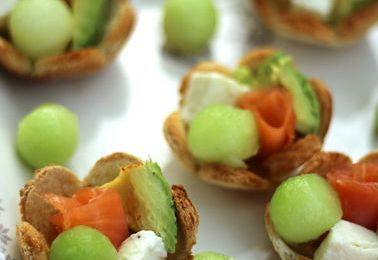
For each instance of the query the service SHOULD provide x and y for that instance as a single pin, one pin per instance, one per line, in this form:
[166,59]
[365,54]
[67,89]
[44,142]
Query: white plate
[123,107]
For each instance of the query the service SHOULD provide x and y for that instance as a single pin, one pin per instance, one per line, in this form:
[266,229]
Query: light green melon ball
[304,207]
[223,134]
[41,28]
[82,243]
[189,24]
[49,134]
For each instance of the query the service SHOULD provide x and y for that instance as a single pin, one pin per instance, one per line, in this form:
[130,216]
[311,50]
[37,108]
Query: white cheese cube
[144,245]
[6,6]
[208,88]
[321,8]
[348,241]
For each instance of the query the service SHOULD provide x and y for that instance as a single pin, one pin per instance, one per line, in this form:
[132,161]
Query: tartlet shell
[320,163]
[35,233]
[288,159]
[283,250]
[73,63]
[304,27]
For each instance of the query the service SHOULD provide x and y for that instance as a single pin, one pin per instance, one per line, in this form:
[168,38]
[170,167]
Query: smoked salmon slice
[93,207]
[275,117]
[357,186]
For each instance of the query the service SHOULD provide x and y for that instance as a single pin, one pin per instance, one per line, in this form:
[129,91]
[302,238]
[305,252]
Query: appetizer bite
[325,22]
[250,128]
[329,212]
[123,209]
[50,39]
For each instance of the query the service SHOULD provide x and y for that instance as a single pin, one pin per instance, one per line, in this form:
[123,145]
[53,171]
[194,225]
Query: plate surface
[123,108]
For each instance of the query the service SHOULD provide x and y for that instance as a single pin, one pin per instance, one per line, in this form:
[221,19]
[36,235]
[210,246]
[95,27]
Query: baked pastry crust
[260,175]
[35,233]
[73,63]
[304,27]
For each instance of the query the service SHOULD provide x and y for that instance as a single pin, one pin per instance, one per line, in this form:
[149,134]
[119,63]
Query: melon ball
[41,28]
[48,135]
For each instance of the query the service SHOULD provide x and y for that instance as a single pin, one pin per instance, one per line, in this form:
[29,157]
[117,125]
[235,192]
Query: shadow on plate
[175,64]
[224,212]
[238,32]
[94,98]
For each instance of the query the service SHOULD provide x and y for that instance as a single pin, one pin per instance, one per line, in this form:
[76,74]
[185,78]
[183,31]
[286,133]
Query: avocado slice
[244,76]
[147,200]
[279,69]
[90,17]
[344,8]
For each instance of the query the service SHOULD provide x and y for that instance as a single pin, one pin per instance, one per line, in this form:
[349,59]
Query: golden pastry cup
[78,63]
[304,27]
[321,163]
[35,233]
[260,175]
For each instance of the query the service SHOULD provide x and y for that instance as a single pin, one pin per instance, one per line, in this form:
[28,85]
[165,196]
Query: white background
[123,107]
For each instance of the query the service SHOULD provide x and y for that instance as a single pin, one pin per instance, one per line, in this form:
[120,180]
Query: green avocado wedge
[279,69]
[147,200]
[90,17]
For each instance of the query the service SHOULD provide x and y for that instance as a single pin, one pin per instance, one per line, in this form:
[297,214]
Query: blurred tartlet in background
[62,39]
[325,22]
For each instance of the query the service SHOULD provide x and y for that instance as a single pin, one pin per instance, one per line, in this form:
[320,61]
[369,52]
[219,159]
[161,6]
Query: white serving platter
[123,107]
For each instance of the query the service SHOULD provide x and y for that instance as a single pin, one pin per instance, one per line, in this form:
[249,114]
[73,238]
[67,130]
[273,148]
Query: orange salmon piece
[93,207]
[357,186]
[275,117]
